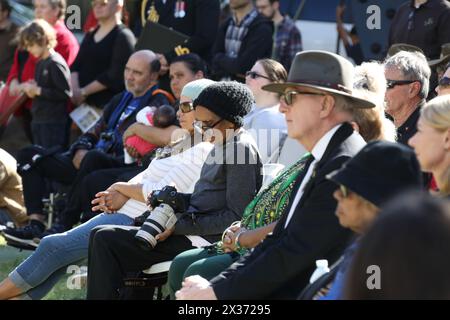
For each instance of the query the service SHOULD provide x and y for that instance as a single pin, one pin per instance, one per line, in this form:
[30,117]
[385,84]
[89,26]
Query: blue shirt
[337,286]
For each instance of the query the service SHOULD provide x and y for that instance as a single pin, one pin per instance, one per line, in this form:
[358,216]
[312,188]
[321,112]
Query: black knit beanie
[230,100]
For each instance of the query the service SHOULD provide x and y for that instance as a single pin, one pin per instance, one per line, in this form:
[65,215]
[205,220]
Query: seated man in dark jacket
[242,39]
[229,179]
[100,148]
[317,103]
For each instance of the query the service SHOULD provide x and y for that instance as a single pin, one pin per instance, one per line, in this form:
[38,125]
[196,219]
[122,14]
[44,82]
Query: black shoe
[20,245]
[27,234]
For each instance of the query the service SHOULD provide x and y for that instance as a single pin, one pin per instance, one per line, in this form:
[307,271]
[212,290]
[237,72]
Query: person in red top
[24,65]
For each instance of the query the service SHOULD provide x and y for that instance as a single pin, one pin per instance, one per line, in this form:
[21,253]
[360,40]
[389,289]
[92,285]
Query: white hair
[413,66]
[370,76]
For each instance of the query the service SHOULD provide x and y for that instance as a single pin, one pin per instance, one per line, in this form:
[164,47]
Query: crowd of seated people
[370,133]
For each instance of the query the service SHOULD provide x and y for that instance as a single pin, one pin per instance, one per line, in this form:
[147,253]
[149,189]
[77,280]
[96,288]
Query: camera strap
[115,116]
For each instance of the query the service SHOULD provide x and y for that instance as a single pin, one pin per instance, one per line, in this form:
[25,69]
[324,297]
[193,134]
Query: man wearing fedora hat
[317,102]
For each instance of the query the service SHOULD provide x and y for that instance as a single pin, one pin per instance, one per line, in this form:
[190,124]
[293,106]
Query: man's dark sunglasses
[392,83]
[254,75]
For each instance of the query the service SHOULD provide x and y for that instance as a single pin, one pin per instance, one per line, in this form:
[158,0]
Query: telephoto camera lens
[160,219]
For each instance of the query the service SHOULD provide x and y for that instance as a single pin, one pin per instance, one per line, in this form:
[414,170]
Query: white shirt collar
[317,151]
[320,147]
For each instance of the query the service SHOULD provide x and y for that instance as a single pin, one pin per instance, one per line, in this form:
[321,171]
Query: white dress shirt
[317,152]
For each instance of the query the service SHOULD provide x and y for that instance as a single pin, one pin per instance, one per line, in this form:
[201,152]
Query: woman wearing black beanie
[229,180]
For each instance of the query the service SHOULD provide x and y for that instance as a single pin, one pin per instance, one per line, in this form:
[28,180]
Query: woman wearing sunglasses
[178,166]
[265,122]
[378,173]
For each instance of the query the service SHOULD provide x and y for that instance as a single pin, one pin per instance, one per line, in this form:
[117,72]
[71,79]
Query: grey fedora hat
[397,47]
[324,71]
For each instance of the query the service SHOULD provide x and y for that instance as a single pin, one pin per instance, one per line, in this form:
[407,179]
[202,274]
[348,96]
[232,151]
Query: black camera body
[163,204]
[169,196]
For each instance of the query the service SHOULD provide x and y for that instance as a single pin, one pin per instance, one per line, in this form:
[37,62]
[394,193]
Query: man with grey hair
[407,82]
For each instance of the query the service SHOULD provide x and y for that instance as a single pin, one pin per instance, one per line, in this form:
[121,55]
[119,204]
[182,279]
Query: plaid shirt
[235,34]
[288,41]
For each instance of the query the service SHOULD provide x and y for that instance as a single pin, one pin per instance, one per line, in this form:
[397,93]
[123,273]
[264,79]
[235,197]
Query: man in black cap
[229,180]
[317,101]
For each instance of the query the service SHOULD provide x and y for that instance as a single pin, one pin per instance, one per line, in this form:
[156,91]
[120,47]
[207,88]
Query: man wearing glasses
[317,102]
[408,78]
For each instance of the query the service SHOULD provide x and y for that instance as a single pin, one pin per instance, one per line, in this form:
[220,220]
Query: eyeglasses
[254,75]
[287,96]
[201,127]
[392,83]
[444,82]
[186,107]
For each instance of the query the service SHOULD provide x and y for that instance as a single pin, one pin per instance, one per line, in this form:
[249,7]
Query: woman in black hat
[380,171]
[229,179]
[407,249]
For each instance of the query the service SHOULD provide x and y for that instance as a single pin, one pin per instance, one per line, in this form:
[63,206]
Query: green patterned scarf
[270,203]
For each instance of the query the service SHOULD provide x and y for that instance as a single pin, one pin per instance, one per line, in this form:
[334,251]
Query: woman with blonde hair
[432,141]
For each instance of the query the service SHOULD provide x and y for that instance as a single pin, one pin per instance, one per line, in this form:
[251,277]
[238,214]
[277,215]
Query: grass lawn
[11,257]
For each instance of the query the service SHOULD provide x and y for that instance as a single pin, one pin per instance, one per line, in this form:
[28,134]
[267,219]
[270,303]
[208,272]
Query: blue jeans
[37,275]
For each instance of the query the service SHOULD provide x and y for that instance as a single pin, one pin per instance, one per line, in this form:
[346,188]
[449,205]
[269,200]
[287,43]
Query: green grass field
[11,257]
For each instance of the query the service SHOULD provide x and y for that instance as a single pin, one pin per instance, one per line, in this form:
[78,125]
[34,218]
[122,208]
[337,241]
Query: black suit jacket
[280,267]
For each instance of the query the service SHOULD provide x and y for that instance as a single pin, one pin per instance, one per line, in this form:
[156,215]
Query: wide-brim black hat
[324,71]
[380,171]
